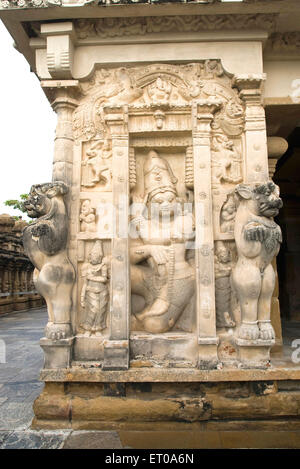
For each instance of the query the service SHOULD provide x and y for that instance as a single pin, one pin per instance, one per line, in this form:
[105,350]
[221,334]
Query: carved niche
[171,123]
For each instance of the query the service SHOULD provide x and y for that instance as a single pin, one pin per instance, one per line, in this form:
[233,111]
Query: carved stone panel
[164,152]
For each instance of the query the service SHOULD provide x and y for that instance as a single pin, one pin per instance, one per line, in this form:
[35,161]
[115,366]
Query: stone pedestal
[254,353]
[58,353]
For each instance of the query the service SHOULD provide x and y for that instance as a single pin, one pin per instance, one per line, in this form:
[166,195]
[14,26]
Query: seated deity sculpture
[160,271]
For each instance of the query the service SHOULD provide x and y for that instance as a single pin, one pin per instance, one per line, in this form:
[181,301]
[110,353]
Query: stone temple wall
[17,292]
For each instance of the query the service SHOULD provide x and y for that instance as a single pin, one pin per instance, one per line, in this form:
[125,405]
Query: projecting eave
[21,17]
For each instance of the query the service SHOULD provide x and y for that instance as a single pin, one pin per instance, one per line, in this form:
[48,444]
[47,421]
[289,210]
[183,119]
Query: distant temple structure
[17,291]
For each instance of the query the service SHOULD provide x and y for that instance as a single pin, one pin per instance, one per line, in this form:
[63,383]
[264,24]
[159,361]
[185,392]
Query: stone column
[277,146]
[58,353]
[64,106]
[203,112]
[256,155]
[116,349]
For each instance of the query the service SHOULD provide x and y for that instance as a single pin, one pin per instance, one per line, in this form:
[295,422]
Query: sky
[27,126]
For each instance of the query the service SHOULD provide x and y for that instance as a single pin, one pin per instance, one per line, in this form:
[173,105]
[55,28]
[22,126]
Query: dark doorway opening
[287,176]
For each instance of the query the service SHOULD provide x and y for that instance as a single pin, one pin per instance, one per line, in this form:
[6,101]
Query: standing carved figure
[227,215]
[226,161]
[45,243]
[223,285]
[258,240]
[94,293]
[98,164]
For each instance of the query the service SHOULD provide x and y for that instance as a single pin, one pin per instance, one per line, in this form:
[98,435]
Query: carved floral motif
[155,88]
[122,27]
[289,42]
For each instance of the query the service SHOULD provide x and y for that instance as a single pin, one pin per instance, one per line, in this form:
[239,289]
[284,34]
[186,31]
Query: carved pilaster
[256,155]
[203,112]
[64,106]
[116,349]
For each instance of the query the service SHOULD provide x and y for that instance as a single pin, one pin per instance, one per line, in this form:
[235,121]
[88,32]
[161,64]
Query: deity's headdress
[97,251]
[158,176]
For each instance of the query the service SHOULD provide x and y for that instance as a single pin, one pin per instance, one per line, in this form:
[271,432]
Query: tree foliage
[17,204]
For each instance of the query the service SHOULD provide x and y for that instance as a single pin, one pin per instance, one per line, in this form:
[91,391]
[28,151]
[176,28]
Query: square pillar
[203,112]
[116,349]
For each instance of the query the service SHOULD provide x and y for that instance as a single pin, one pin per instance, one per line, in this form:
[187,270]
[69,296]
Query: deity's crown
[97,251]
[158,175]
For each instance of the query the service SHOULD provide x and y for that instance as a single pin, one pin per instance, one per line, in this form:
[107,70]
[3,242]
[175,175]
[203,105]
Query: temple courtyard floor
[21,359]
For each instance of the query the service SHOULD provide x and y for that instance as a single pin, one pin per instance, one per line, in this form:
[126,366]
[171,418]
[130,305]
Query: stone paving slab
[33,440]
[154,440]
[19,384]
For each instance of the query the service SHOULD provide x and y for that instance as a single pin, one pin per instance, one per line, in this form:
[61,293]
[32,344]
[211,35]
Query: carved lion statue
[258,240]
[45,244]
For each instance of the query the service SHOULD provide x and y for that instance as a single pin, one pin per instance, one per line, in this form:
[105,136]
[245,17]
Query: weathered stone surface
[33,440]
[93,440]
[94,409]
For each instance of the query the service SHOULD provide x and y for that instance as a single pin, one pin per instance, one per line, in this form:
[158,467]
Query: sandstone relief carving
[160,272]
[97,167]
[258,240]
[87,217]
[127,108]
[288,42]
[45,242]
[226,161]
[120,27]
[157,86]
[227,214]
[94,295]
[159,91]
[223,267]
